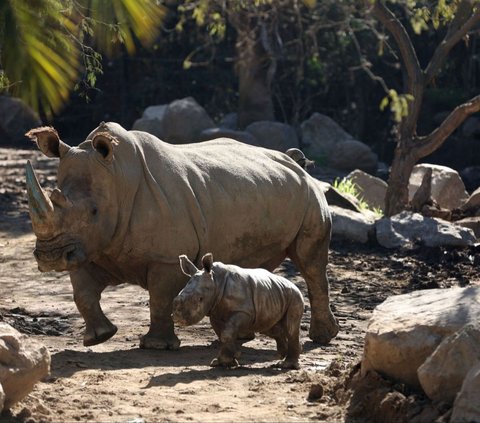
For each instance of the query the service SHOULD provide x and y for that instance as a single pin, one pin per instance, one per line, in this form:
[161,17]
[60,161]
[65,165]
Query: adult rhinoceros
[127,205]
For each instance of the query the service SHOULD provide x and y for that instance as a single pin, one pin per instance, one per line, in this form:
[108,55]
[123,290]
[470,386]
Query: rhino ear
[105,144]
[48,141]
[188,268]
[207,262]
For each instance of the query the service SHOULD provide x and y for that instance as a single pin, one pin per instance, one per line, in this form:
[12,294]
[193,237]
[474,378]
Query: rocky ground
[117,381]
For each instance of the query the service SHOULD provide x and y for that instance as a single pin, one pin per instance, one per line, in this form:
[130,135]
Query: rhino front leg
[87,291]
[163,286]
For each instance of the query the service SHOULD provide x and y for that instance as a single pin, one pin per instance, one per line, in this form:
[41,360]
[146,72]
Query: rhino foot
[232,364]
[159,343]
[323,331]
[95,337]
[287,364]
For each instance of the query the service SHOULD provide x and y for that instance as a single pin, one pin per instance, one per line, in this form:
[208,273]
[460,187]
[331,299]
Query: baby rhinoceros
[239,303]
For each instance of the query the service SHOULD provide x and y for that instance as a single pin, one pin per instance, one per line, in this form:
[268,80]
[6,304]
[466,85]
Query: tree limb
[435,139]
[463,22]
[407,51]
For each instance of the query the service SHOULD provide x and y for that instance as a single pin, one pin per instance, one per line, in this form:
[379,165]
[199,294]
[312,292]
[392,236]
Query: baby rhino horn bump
[48,141]
[59,199]
[207,262]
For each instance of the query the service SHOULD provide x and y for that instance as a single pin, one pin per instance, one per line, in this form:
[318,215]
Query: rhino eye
[94,211]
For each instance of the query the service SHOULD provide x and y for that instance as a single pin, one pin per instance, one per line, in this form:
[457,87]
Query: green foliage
[398,104]
[347,186]
[45,43]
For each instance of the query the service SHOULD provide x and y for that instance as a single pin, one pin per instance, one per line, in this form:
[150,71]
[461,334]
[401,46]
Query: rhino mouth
[59,256]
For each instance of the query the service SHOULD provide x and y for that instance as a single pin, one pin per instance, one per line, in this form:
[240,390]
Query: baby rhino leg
[291,327]
[228,335]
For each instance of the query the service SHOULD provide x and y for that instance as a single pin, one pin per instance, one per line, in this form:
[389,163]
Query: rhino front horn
[41,208]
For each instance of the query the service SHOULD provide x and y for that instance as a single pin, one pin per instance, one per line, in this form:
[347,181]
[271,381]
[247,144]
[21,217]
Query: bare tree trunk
[256,65]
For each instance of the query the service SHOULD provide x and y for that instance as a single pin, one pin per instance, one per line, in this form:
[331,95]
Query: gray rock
[466,407]
[406,229]
[23,362]
[324,140]
[348,224]
[405,329]
[473,202]
[152,126]
[242,136]
[274,135]
[229,121]
[16,118]
[442,374]
[372,189]
[448,189]
[472,223]
[184,120]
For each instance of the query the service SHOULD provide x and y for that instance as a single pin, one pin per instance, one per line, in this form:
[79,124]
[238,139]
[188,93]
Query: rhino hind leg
[310,254]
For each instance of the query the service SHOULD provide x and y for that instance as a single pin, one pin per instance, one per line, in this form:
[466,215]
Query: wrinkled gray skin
[127,205]
[239,303]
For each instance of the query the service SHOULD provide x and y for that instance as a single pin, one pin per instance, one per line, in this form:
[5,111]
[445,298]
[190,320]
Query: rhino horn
[41,207]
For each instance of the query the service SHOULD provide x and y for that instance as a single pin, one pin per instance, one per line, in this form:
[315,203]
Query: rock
[372,189]
[324,140]
[152,121]
[16,118]
[405,329]
[352,154]
[184,120]
[442,374]
[471,177]
[466,407]
[471,127]
[23,362]
[472,223]
[407,229]
[448,190]
[229,121]
[347,224]
[473,203]
[242,136]
[274,135]
[152,126]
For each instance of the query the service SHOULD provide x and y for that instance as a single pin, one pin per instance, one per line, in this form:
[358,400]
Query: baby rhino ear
[188,268]
[207,262]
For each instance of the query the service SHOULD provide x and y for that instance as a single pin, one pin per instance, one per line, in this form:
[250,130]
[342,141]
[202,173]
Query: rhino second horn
[40,205]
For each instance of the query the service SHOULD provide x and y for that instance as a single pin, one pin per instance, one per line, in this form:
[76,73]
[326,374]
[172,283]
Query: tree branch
[395,27]
[435,139]
[461,24]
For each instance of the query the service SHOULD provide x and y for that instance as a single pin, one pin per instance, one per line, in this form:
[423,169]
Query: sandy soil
[116,381]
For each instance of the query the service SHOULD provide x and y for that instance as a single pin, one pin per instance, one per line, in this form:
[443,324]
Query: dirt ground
[118,382]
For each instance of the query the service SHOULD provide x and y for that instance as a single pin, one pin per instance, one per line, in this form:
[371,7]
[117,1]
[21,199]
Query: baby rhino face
[194,301]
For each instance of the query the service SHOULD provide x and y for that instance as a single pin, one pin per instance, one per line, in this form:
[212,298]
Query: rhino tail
[299,157]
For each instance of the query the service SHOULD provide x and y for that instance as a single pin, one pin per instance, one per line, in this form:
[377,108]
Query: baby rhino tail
[298,157]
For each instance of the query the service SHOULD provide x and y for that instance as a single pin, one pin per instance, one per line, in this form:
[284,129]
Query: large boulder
[184,120]
[406,329]
[242,136]
[442,374]
[407,229]
[16,118]
[448,189]
[23,362]
[152,120]
[372,189]
[180,122]
[472,205]
[324,140]
[472,223]
[274,135]
[467,406]
[351,225]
